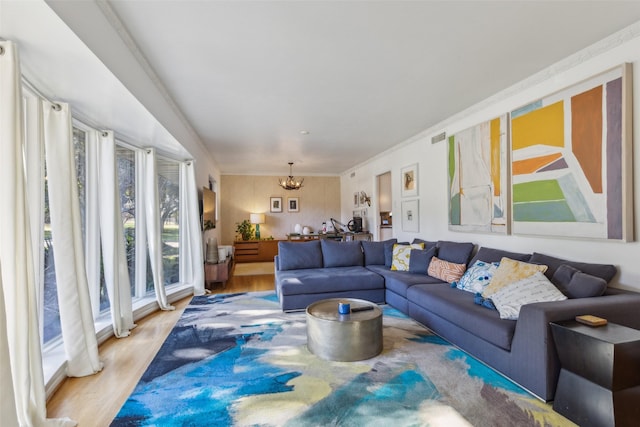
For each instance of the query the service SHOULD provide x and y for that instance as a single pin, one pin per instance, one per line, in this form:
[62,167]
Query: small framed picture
[356,199]
[409,176]
[410,216]
[276,204]
[293,204]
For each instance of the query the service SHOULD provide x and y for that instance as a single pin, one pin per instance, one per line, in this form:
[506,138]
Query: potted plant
[245,229]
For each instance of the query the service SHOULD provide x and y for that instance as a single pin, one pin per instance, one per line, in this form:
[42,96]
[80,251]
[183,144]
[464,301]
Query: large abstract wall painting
[571,171]
[478,187]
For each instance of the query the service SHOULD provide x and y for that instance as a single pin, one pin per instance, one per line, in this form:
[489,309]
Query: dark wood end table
[599,383]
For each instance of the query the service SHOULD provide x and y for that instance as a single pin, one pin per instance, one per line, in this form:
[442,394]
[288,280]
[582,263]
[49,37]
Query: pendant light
[291,183]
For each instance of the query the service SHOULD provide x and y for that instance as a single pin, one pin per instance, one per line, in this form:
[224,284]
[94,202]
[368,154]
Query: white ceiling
[247,77]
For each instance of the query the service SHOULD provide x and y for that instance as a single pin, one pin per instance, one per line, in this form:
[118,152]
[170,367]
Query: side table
[599,383]
[217,272]
[344,337]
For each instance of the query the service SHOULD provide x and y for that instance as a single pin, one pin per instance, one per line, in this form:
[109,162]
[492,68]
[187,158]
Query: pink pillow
[445,270]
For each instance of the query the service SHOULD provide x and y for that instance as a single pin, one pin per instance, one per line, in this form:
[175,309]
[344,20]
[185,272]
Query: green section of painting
[536,191]
[540,201]
[454,200]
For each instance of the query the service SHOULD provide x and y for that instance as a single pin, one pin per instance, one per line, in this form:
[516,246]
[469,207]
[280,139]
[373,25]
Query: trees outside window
[169,199]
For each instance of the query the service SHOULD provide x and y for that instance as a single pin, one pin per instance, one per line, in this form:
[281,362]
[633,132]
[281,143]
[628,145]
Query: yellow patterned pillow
[511,271]
[402,254]
[446,271]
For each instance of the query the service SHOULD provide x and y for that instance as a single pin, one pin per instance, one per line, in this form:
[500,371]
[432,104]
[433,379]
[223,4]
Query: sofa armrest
[533,342]
[623,309]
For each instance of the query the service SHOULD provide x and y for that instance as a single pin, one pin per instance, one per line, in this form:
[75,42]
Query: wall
[241,195]
[432,162]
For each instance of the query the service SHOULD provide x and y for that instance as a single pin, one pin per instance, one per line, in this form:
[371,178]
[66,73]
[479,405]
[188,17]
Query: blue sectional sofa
[521,349]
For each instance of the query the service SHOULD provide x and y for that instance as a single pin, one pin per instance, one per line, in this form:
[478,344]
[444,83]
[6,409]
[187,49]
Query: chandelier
[291,183]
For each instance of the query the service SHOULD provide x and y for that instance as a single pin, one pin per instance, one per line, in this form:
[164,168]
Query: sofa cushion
[402,255]
[420,258]
[510,271]
[341,254]
[427,244]
[576,284]
[374,251]
[477,277]
[399,281]
[604,271]
[326,280]
[458,307]
[535,288]
[446,271]
[495,255]
[295,255]
[456,252]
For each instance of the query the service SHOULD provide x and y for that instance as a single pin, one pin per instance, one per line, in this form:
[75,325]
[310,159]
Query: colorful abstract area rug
[238,360]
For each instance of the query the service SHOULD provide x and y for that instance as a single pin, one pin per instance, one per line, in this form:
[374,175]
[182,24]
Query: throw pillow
[374,252]
[402,256]
[535,288]
[562,276]
[388,251]
[576,284]
[477,277]
[510,271]
[419,260]
[446,271]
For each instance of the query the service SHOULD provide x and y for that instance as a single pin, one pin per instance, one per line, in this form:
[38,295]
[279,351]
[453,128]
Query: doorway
[385,212]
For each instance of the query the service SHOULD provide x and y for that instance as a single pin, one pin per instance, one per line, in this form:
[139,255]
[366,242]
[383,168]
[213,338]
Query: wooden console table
[255,250]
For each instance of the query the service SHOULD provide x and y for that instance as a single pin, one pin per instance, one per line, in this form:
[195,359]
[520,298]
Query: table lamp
[257,219]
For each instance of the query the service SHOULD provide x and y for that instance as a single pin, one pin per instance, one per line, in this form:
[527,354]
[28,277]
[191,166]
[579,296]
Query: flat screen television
[208,209]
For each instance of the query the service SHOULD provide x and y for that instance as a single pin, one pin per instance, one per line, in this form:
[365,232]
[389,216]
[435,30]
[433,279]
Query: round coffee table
[344,337]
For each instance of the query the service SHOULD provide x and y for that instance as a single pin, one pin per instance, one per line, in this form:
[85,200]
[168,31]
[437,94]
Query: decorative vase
[306,230]
[298,229]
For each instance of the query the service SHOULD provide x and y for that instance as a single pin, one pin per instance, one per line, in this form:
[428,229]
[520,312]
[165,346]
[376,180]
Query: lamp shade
[256,218]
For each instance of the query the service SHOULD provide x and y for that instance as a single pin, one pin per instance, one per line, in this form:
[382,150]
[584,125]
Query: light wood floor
[95,400]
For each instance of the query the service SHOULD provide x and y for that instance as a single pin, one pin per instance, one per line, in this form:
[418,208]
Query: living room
[329,193]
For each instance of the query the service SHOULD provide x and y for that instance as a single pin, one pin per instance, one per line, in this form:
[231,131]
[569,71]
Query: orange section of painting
[586,135]
[522,167]
[544,126]
[495,156]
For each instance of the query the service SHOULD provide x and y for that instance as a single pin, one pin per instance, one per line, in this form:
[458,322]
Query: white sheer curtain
[152,215]
[114,257]
[92,221]
[191,256]
[7,400]
[76,318]
[22,344]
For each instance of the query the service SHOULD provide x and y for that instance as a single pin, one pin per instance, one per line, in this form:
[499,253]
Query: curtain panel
[17,277]
[76,318]
[154,233]
[114,258]
[192,257]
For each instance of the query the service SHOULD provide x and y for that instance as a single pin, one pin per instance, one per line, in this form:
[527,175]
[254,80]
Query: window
[51,321]
[126,163]
[169,199]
